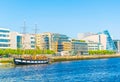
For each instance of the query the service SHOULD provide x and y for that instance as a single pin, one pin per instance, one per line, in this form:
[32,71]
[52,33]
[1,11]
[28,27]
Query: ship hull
[20,61]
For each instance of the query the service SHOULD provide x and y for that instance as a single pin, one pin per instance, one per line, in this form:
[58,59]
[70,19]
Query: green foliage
[4,52]
[82,40]
[101,52]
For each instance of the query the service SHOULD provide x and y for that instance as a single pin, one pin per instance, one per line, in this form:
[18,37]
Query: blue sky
[68,17]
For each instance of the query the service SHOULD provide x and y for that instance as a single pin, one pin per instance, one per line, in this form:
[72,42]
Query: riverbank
[9,61]
[6,61]
[82,57]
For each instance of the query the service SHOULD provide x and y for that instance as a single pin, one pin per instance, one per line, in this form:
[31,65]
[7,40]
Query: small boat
[21,61]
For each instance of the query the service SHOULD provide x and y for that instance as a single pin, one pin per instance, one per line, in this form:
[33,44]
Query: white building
[95,40]
[28,41]
[94,46]
[4,38]
[15,40]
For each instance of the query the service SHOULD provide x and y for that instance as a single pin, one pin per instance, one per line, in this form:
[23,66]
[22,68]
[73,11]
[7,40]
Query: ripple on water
[84,71]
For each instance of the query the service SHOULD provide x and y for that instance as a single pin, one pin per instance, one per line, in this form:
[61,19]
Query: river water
[97,70]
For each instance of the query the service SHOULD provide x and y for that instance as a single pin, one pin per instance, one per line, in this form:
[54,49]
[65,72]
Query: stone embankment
[82,57]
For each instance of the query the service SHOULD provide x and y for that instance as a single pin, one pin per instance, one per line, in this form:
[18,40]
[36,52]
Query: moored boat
[21,61]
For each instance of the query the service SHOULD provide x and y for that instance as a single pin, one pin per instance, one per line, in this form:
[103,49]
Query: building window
[4,35]
[19,41]
[32,42]
[4,45]
[32,37]
[4,40]
[5,31]
[32,46]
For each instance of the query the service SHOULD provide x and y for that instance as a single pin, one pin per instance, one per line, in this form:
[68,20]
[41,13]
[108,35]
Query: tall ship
[24,61]
[27,60]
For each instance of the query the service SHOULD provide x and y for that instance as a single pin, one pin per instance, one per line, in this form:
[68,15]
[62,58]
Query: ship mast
[23,37]
[35,34]
[35,40]
[24,28]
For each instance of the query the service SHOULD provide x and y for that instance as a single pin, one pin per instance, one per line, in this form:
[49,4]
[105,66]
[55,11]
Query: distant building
[110,44]
[60,43]
[60,40]
[102,40]
[42,41]
[28,41]
[80,48]
[94,46]
[67,46]
[94,40]
[4,38]
[15,40]
[51,41]
[117,45]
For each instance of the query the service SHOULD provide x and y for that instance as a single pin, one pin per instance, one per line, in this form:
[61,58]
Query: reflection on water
[6,65]
[98,70]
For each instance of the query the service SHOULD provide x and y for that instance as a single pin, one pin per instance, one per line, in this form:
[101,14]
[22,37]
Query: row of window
[32,37]
[4,40]
[5,31]
[4,35]
[4,45]
[32,46]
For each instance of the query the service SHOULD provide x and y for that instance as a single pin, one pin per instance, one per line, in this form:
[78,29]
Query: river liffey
[97,70]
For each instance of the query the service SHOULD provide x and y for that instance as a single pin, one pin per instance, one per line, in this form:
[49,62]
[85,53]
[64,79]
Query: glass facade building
[59,39]
[80,48]
[51,41]
[117,45]
[110,43]
[4,38]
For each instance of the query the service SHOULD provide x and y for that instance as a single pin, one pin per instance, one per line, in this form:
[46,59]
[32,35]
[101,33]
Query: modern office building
[58,42]
[80,48]
[67,46]
[117,45]
[59,39]
[94,46]
[42,41]
[51,41]
[110,44]
[103,39]
[95,39]
[4,38]
[15,40]
[28,41]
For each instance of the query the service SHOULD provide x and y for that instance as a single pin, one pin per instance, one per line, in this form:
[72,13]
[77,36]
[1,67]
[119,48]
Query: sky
[68,17]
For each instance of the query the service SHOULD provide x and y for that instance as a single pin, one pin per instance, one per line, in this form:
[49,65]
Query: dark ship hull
[20,61]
